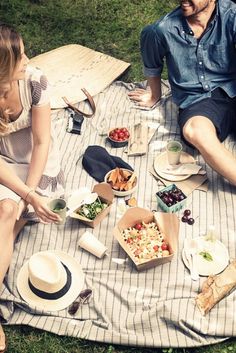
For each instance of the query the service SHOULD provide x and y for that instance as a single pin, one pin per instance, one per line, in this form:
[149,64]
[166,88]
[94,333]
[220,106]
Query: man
[198,41]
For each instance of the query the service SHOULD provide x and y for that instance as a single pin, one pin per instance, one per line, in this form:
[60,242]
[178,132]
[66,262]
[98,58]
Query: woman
[29,164]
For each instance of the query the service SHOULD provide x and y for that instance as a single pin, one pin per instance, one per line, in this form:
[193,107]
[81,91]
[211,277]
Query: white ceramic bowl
[123,192]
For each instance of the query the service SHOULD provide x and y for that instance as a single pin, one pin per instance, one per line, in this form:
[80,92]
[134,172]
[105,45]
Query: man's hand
[147,97]
[143,98]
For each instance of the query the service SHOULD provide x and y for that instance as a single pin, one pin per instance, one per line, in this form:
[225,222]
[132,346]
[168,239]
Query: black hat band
[55,295]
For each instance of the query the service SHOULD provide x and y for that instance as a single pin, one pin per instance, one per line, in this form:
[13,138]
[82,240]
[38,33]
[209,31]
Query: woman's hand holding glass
[40,205]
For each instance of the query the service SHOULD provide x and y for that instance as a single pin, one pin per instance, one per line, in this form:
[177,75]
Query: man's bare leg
[201,133]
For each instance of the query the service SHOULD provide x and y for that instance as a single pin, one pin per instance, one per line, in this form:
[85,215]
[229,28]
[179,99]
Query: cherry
[184,219]
[187,212]
[190,221]
[171,197]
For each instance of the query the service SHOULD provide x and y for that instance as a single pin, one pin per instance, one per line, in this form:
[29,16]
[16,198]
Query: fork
[190,251]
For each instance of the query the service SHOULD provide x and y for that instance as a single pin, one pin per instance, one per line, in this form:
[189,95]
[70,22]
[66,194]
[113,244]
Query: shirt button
[206,86]
[202,76]
[200,62]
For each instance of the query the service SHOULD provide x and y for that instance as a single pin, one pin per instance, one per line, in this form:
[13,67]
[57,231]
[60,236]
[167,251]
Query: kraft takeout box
[106,195]
[168,224]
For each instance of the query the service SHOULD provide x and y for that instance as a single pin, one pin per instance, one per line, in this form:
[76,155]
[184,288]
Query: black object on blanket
[74,124]
[98,162]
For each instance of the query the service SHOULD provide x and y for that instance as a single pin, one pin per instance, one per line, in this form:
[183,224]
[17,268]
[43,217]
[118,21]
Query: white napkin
[183,169]
[80,197]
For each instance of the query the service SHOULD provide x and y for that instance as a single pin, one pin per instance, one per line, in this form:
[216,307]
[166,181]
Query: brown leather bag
[77,110]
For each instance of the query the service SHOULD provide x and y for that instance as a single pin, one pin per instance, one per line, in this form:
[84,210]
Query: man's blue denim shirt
[195,66]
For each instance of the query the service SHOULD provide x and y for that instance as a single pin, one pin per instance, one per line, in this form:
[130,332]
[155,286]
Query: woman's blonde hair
[10,55]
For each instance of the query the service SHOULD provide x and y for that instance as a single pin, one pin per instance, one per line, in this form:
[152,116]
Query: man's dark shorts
[219,108]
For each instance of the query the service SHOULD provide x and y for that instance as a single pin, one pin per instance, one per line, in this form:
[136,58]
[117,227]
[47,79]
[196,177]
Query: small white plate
[219,253]
[161,163]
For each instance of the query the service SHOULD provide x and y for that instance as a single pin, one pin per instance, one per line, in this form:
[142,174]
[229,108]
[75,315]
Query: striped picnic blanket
[153,308]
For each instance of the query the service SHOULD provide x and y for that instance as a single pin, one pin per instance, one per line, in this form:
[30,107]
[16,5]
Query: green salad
[91,210]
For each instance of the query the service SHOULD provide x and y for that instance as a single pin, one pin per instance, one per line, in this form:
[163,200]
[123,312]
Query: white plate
[161,163]
[219,253]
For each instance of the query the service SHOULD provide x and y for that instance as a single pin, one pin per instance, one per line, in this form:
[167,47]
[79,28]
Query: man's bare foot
[2,340]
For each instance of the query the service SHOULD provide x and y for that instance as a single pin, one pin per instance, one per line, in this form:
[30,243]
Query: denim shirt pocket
[220,56]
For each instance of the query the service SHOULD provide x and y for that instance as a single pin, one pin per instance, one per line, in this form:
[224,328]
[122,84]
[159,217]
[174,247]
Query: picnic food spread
[144,241]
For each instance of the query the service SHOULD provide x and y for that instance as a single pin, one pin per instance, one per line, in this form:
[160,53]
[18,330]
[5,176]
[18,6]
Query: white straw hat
[50,280]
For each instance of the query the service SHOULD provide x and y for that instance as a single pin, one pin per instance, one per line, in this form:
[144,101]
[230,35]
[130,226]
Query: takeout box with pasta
[149,238]
[95,205]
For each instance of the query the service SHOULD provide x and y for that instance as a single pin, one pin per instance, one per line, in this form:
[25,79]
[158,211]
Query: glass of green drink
[173,149]
[58,206]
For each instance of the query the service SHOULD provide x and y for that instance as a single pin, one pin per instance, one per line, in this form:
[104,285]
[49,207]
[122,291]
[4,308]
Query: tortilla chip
[121,179]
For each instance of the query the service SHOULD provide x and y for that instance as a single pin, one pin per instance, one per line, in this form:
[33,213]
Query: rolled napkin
[216,288]
[183,169]
[98,162]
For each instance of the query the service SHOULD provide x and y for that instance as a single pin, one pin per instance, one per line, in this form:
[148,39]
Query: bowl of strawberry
[119,136]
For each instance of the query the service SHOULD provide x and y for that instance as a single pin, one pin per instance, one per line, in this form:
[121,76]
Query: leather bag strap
[91,103]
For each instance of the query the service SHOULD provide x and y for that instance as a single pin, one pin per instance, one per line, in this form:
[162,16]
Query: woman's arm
[41,127]
[13,182]
[9,179]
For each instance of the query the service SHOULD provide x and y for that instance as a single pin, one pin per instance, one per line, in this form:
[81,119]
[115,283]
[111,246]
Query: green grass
[112,27]
[26,340]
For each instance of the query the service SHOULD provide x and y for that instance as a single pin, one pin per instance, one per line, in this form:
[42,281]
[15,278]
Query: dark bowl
[115,143]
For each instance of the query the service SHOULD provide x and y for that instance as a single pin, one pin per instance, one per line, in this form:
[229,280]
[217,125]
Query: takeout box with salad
[91,207]
[149,238]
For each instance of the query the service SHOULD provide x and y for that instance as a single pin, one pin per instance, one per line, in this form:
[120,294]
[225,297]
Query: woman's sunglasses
[83,298]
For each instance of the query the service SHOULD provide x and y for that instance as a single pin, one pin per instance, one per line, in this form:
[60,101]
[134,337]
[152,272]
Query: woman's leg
[18,226]
[2,340]
[8,212]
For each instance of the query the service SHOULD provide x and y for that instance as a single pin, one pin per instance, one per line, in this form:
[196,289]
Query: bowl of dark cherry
[171,198]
